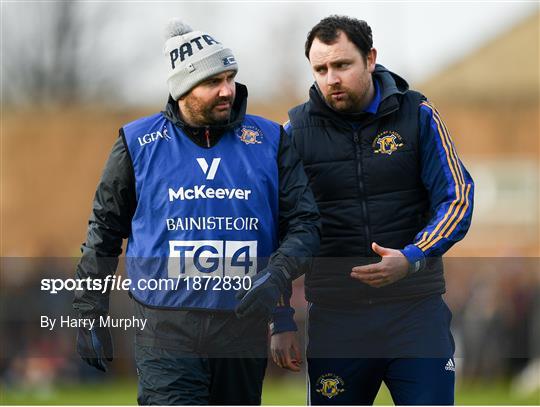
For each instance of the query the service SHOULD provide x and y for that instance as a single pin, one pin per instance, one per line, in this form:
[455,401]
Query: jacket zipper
[361,189]
[207,135]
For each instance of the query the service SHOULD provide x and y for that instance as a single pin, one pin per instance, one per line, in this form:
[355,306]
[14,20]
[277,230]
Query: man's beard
[349,103]
[207,115]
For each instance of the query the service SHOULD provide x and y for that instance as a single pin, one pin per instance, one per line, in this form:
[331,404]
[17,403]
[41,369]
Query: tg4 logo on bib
[330,385]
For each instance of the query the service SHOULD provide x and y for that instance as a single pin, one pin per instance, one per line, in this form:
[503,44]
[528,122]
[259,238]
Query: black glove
[94,346]
[266,289]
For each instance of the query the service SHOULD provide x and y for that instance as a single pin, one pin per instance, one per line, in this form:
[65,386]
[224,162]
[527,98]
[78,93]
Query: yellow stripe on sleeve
[453,153]
[451,160]
[463,211]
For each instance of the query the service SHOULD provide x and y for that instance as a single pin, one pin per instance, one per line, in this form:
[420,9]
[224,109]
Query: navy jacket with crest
[389,175]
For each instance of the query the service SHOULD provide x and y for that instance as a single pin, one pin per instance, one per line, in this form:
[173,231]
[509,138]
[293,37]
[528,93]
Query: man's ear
[371,60]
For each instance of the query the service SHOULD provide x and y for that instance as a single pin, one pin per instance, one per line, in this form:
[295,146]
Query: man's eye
[320,70]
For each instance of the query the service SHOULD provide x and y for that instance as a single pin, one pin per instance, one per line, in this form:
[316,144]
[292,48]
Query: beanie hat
[193,57]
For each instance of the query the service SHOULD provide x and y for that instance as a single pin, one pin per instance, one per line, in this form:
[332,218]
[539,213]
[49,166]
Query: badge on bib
[250,135]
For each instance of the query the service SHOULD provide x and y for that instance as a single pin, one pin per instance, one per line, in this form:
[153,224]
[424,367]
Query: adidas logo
[450,366]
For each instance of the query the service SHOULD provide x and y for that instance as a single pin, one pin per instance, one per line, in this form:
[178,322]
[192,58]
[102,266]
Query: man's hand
[94,346]
[392,267]
[266,288]
[286,351]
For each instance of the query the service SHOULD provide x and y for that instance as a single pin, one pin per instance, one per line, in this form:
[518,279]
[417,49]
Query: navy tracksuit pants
[406,344]
[200,358]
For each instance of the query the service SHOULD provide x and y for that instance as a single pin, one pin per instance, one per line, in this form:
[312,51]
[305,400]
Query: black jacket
[115,202]
[365,196]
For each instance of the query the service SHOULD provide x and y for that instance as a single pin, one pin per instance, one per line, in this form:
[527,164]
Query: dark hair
[327,31]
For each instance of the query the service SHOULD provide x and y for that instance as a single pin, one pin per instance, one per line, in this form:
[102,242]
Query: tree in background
[51,53]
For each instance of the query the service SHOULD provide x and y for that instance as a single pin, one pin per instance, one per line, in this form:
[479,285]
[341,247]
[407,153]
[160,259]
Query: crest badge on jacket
[387,142]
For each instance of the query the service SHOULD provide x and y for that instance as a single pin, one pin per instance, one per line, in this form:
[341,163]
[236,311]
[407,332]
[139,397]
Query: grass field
[276,392]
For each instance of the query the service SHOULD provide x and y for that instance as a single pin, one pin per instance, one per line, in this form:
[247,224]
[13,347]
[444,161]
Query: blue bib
[206,219]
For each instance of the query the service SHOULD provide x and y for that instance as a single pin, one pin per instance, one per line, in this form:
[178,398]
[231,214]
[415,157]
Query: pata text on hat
[186,49]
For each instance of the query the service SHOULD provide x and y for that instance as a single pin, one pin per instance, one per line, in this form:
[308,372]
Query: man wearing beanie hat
[215,205]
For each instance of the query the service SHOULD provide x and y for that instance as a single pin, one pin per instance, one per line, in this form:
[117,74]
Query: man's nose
[226,90]
[332,78]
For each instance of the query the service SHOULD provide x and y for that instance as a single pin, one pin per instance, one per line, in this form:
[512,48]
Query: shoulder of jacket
[299,109]
[298,114]
[143,123]
[415,96]
[259,121]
